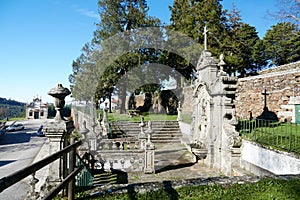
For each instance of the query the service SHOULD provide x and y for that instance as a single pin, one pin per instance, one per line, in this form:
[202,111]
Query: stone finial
[59,93]
[149,133]
[179,118]
[222,62]
[142,125]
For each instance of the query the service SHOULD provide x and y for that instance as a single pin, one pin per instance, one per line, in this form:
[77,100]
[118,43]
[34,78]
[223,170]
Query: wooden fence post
[72,163]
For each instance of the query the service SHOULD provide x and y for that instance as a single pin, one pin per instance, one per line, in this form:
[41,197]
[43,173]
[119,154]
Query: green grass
[147,117]
[16,119]
[266,189]
[278,135]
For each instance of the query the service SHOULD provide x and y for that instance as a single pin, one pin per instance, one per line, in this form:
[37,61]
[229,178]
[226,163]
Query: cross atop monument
[265,95]
[205,37]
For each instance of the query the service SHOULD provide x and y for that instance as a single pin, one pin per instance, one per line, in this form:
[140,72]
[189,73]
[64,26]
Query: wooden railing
[69,180]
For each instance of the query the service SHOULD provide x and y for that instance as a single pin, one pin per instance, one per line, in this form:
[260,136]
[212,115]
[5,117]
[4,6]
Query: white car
[15,127]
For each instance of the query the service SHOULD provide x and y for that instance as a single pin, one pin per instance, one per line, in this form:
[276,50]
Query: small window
[30,113]
[42,113]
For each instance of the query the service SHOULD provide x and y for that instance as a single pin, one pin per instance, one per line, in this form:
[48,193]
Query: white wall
[277,162]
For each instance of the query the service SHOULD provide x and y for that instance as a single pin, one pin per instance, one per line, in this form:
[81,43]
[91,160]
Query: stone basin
[199,153]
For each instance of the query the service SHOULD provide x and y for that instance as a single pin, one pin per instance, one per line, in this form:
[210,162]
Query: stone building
[37,109]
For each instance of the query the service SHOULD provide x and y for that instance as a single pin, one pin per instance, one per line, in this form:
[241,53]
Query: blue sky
[40,39]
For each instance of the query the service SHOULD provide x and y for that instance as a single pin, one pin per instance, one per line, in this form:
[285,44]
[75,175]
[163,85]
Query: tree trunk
[122,97]
[109,105]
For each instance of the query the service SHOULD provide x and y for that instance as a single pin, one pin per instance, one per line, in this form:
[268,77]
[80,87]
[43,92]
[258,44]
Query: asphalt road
[17,150]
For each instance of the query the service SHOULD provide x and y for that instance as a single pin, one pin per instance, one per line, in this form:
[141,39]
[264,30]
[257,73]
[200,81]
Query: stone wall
[188,99]
[281,83]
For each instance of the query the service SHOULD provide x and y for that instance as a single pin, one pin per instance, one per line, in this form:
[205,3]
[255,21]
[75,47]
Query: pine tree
[227,33]
[83,71]
[190,16]
[282,43]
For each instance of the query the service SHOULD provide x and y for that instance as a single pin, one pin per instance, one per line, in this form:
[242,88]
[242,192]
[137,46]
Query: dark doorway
[36,115]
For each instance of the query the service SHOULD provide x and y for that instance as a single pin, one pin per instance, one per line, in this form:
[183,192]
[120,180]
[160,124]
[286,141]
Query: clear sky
[39,39]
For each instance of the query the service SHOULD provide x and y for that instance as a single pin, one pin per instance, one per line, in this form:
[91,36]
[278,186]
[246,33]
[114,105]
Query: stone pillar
[58,131]
[149,159]
[149,151]
[142,136]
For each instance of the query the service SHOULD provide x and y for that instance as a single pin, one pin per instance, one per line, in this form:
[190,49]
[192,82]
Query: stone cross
[265,95]
[205,37]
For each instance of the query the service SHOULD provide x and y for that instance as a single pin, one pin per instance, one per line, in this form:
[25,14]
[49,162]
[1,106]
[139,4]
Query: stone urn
[59,93]
[199,150]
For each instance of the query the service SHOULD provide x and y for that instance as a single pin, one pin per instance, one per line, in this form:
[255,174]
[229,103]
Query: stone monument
[214,110]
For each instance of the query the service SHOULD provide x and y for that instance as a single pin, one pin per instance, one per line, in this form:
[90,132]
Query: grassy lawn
[278,135]
[147,117]
[266,189]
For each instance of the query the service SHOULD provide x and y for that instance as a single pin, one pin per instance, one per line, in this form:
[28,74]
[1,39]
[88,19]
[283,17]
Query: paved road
[17,150]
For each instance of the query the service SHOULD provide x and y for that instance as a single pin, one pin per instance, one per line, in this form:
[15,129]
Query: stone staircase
[164,131]
[170,154]
[167,136]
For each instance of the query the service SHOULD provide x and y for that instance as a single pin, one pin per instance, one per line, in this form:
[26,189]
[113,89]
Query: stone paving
[175,172]
[196,174]
[174,176]
[174,166]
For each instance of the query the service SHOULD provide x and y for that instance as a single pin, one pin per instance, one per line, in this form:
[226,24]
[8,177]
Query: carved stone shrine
[215,139]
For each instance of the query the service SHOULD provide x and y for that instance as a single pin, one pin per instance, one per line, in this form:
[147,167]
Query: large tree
[190,16]
[227,33]
[81,70]
[117,18]
[282,43]
[242,47]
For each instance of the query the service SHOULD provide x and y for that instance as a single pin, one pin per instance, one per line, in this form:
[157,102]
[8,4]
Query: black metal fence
[279,135]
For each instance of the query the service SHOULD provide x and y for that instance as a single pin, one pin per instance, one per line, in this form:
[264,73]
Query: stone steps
[164,131]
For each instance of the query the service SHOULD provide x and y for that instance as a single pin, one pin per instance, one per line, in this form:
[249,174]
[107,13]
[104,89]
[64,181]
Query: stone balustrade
[118,144]
[128,161]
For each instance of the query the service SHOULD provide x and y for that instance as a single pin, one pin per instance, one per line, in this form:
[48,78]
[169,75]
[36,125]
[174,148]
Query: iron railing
[279,135]
[85,176]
